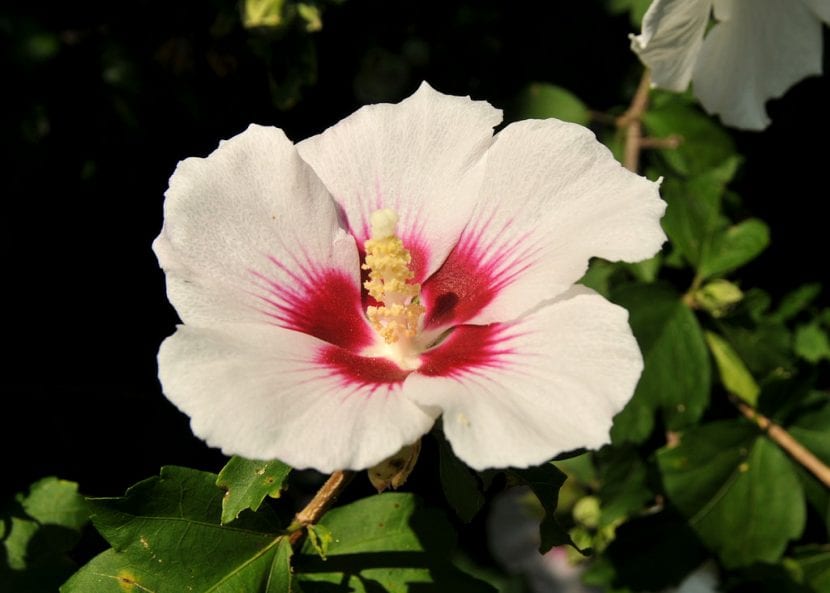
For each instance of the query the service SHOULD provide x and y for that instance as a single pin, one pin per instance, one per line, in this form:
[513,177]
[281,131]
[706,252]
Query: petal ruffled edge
[517,394]
[671,38]
[268,393]
[758,53]
[251,235]
[552,198]
[420,158]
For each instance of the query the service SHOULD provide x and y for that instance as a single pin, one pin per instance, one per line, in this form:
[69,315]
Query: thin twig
[784,440]
[669,142]
[631,121]
[321,502]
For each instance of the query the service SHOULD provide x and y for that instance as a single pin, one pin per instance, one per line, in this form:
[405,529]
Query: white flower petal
[761,50]
[269,393]
[552,198]
[518,394]
[417,157]
[722,9]
[251,234]
[821,8]
[671,39]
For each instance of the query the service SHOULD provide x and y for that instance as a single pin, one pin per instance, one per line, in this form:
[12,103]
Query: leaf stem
[784,440]
[631,121]
[321,502]
[689,298]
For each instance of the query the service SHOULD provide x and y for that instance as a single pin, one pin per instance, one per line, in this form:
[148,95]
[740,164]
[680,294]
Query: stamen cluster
[387,261]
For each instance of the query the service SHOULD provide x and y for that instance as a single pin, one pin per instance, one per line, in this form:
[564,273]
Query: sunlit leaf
[262,13]
[166,534]
[388,542]
[247,482]
[319,537]
[733,372]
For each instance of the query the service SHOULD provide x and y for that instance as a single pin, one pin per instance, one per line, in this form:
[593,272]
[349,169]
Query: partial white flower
[756,51]
[470,246]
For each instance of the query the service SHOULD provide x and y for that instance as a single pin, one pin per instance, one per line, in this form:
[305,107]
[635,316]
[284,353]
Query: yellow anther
[387,262]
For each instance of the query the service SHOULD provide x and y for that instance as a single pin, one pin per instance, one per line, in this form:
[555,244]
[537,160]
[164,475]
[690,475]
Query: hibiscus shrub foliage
[716,469]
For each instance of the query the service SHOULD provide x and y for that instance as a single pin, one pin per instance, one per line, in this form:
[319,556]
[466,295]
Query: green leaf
[388,542]
[635,8]
[738,490]
[545,482]
[733,372]
[646,270]
[56,502]
[796,301]
[670,339]
[319,537]
[281,574]
[764,348]
[767,578]
[262,13]
[36,533]
[649,553]
[704,145]
[699,231]
[580,468]
[540,100]
[735,247]
[813,564]
[811,343]
[166,535]
[811,430]
[461,486]
[598,276]
[624,486]
[692,214]
[247,483]
[310,14]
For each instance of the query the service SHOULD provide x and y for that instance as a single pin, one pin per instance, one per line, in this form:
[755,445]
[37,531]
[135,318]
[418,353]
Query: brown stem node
[320,503]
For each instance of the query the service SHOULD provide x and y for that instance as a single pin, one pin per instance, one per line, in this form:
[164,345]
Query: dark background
[103,99]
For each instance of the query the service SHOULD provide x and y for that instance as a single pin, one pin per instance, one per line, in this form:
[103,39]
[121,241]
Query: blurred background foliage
[101,100]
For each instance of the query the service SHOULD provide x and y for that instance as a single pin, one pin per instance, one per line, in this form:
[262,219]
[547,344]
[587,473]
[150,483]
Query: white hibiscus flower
[472,244]
[757,50]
